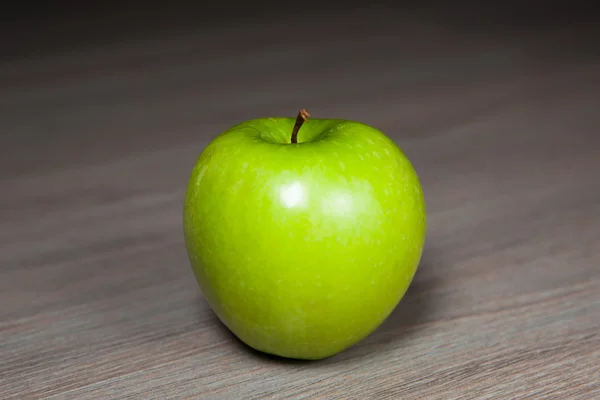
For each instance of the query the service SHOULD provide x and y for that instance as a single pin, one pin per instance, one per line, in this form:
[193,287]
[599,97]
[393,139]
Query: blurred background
[137,76]
[384,64]
[105,106]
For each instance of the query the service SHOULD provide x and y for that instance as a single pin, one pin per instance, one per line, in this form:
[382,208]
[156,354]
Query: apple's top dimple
[279,131]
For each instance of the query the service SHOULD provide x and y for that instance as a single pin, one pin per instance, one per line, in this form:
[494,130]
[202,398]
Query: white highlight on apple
[339,203]
[293,195]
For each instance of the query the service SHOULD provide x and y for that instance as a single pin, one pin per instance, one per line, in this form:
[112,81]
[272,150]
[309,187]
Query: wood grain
[97,299]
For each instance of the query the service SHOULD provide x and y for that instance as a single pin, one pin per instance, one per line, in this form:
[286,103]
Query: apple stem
[302,116]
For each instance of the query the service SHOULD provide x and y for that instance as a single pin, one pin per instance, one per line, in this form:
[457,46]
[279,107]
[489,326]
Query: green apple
[303,240]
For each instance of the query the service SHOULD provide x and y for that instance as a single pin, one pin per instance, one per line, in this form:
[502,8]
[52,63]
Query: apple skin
[302,250]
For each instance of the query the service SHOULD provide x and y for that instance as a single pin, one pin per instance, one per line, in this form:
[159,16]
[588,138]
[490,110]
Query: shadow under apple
[408,318]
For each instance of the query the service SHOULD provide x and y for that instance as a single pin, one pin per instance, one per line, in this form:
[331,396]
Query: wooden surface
[97,299]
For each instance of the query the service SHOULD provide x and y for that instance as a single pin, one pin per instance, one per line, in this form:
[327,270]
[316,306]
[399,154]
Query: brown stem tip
[302,116]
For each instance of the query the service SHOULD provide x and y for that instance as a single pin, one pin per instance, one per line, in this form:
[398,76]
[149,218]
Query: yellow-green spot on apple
[303,234]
